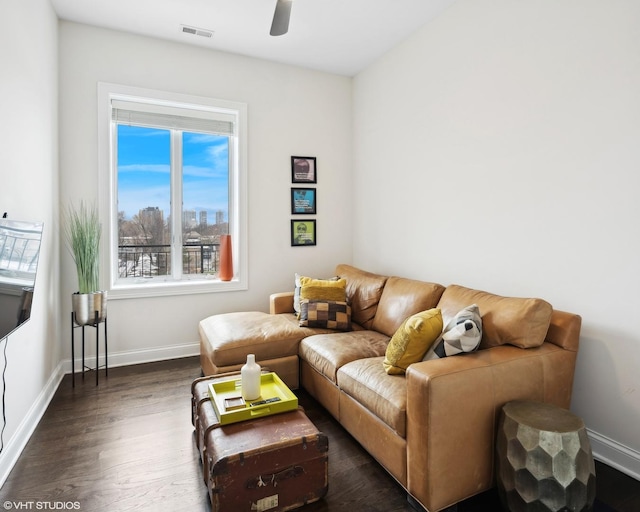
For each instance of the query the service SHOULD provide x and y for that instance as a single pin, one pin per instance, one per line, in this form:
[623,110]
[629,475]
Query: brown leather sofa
[434,428]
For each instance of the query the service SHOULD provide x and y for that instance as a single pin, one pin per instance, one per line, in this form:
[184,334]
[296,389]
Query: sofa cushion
[402,298]
[298,287]
[505,320]
[384,395]
[229,337]
[412,340]
[322,289]
[363,293]
[330,314]
[461,334]
[328,352]
[293,319]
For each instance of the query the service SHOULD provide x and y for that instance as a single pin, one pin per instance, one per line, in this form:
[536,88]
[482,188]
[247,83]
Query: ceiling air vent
[196,31]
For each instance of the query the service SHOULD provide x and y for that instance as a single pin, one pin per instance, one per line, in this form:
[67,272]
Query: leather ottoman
[226,339]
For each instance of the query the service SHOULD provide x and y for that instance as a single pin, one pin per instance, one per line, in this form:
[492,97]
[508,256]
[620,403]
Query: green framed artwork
[303,232]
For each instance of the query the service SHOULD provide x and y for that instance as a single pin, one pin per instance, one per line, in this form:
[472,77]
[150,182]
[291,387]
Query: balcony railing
[155,260]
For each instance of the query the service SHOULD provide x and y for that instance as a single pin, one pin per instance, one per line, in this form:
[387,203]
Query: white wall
[291,111]
[29,191]
[499,148]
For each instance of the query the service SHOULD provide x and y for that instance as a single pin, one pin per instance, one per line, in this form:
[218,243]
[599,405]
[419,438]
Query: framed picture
[303,232]
[303,169]
[303,201]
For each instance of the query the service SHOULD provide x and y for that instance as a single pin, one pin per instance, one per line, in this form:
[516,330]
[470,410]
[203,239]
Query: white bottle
[250,378]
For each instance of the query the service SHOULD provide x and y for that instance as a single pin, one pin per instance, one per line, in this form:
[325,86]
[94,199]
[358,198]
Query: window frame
[107,196]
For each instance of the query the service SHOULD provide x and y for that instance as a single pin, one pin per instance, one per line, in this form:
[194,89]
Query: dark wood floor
[128,445]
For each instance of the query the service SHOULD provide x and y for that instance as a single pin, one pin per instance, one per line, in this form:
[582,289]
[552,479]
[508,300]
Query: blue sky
[144,171]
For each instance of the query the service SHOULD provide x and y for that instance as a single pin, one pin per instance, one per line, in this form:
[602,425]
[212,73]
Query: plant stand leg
[73,357]
[106,351]
[97,325]
[83,365]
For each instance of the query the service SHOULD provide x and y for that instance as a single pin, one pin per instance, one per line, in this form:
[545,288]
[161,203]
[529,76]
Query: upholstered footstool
[226,339]
[544,460]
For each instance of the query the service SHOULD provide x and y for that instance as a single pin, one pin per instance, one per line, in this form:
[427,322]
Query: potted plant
[82,231]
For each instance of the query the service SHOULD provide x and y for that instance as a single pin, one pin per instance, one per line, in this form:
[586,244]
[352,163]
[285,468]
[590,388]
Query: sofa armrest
[281,303]
[453,407]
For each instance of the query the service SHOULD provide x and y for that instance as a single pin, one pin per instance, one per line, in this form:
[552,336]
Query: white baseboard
[614,454]
[20,438]
[138,356]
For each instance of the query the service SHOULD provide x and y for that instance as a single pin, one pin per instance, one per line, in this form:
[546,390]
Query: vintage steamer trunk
[201,402]
[274,463]
[199,392]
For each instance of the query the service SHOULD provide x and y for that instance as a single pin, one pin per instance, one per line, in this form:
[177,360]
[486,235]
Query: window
[173,170]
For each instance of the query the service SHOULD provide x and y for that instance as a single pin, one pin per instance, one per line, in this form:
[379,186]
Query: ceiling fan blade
[281,17]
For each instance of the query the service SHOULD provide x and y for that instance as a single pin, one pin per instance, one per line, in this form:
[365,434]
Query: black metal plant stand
[96,324]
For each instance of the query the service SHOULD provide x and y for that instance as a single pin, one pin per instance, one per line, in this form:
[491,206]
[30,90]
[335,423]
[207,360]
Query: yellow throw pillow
[323,289]
[411,341]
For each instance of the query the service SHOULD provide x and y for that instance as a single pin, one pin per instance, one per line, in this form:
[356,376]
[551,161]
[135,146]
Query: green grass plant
[82,230]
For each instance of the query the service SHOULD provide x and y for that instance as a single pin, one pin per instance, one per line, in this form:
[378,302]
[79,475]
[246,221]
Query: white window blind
[179,117]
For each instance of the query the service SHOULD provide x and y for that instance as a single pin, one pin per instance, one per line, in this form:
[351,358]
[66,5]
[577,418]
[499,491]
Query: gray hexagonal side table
[544,461]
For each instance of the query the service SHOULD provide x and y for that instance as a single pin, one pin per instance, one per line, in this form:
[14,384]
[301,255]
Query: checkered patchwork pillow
[463,333]
[328,314]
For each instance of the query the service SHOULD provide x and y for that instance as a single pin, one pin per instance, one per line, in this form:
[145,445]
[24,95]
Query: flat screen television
[19,254]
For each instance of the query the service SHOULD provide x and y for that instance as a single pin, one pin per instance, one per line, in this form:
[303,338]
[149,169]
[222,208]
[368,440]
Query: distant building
[150,228]
[203,217]
[219,217]
[151,214]
[193,237]
[189,218]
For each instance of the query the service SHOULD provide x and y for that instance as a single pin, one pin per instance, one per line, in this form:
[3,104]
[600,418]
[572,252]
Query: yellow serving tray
[270,386]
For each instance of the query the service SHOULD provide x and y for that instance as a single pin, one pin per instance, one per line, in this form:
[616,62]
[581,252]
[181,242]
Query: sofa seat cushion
[384,395]
[328,352]
[229,337]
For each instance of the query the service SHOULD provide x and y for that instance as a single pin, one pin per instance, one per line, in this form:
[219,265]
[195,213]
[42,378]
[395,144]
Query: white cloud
[155,168]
